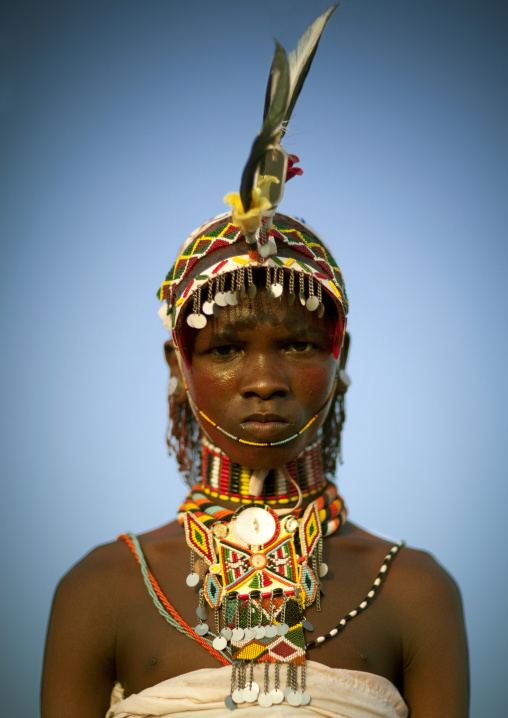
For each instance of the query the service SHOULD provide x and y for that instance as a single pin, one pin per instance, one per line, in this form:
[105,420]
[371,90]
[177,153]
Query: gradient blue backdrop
[123,124]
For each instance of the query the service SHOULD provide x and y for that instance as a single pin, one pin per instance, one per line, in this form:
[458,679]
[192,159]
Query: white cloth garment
[335,692]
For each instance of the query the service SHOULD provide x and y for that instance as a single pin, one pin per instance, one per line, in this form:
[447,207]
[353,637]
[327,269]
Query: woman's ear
[343,380]
[176,386]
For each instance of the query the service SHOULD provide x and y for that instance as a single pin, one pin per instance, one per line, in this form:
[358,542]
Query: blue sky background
[123,124]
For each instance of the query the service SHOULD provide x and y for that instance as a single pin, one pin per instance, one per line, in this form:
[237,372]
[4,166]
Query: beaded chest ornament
[259,573]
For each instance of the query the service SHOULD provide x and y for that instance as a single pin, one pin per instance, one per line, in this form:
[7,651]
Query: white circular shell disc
[255,526]
[277,695]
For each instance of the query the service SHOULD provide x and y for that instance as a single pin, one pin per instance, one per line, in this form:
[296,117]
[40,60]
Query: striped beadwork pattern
[223,479]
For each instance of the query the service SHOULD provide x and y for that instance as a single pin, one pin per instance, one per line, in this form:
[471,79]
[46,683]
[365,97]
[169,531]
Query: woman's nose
[264,377]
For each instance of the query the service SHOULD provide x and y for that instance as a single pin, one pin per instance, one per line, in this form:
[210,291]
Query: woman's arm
[79,670]
[435,657]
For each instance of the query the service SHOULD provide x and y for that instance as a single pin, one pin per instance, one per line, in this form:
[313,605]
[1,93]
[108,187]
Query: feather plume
[300,61]
[275,107]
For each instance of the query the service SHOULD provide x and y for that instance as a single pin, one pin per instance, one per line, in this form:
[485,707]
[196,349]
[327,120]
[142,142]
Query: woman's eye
[300,346]
[225,350]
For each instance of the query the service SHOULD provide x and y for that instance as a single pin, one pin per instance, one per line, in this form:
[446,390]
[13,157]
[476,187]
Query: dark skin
[104,626]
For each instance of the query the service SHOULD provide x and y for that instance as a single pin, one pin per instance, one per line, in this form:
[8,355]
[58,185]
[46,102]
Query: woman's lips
[265,426]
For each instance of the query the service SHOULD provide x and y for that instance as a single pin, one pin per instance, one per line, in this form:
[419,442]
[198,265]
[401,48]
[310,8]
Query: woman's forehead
[264,311]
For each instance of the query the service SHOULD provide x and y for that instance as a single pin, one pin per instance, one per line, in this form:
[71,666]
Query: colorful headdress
[252,229]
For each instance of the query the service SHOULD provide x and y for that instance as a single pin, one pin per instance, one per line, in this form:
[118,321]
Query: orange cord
[173,611]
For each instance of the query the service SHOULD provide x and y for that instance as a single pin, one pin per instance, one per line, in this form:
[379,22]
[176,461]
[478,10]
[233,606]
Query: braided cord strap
[363,605]
[162,604]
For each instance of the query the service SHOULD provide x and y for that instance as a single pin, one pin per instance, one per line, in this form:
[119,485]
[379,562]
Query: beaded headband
[203,286]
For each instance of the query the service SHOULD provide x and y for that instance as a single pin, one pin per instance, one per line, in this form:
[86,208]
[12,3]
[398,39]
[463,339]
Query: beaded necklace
[259,572]
[223,479]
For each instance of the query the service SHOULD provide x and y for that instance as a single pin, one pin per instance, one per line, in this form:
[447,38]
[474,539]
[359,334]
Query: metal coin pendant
[249,634]
[238,695]
[302,299]
[230,703]
[250,694]
[323,570]
[305,698]
[199,321]
[231,299]
[192,579]
[276,290]
[190,320]
[265,700]
[282,629]
[294,698]
[271,631]
[227,633]
[252,291]
[321,310]
[307,625]
[312,303]
[219,643]
[243,292]
[237,634]
[277,695]
[260,632]
[207,308]
[202,629]
[291,298]
[220,299]
[202,612]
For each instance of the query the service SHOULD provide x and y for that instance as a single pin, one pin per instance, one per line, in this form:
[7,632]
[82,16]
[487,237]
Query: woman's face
[262,370]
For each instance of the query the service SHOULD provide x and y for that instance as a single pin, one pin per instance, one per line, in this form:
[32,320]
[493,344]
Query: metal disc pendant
[231,299]
[252,291]
[227,633]
[294,698]
[271,631]
[321,310]
[282,629]
[251,693]
[230,703]
[276,290]
[287,691]
[238,695]
[220,299]
[302,299]
[307,625]
[190,320]
[202,629]
[277,695]
[237,634]
[291,299]
[219,643]
[305,698]
[260,632]
[199,321]
[243,292]
[265,700]
[192,579]
[207,308]
[312,303]
[202,612]
[249,634]
[323,570]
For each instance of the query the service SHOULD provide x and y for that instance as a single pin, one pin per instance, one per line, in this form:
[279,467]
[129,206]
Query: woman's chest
[150,650]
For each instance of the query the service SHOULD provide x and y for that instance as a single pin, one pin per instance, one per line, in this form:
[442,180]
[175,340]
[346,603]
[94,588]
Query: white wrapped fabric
[335,692]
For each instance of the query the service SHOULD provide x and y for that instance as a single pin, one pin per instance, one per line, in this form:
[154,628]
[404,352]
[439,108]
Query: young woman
[261,596]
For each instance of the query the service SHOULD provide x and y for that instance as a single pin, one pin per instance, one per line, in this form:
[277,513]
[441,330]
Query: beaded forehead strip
[201,286]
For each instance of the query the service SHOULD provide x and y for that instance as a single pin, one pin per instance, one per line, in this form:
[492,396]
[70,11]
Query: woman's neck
[228,482]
